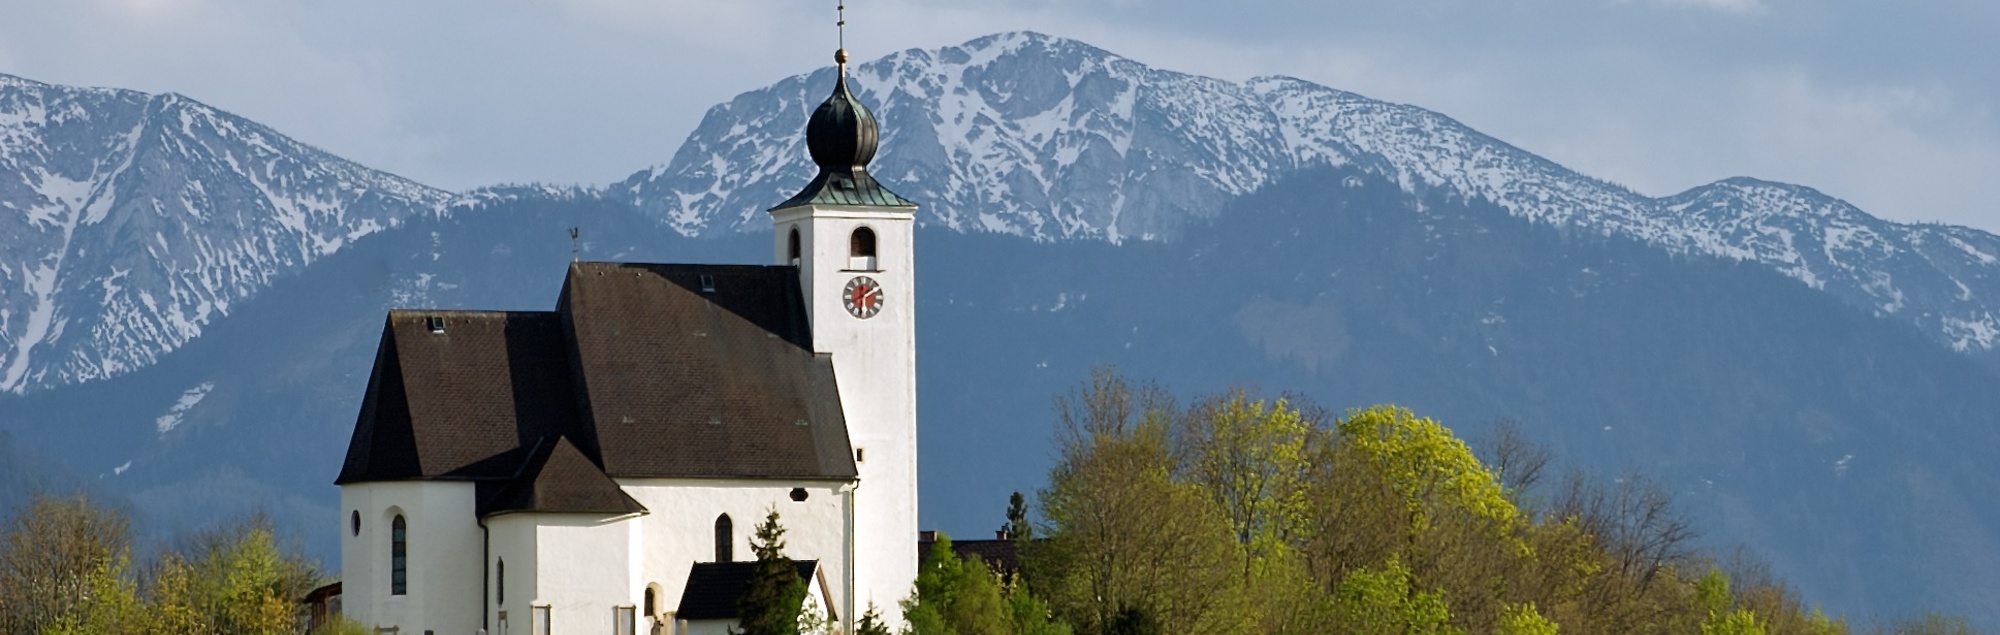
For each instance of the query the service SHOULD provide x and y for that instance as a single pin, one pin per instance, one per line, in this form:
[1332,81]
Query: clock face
[863,297]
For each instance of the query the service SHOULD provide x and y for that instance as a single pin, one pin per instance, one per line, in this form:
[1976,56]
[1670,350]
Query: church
[601,467]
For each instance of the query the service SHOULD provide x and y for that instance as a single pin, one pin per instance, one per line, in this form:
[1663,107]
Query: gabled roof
[560,479]
[685,382]
[643,371]
[466,402]
[713,588]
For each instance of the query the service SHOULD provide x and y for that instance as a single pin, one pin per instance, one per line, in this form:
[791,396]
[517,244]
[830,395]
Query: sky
[1894,106]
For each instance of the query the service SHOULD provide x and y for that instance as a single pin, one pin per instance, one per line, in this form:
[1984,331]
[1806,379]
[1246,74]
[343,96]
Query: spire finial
[840,31]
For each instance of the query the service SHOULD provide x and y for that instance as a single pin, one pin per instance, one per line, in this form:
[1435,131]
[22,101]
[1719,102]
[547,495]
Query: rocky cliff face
[131,221]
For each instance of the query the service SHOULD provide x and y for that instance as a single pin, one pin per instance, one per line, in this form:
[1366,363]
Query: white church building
[601,468]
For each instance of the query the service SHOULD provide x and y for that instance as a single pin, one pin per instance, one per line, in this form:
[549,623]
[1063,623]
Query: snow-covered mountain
[133,220]
[129,221]
[1048,138]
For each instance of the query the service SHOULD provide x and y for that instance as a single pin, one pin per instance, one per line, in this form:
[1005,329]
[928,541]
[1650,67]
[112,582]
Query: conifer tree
[770,603]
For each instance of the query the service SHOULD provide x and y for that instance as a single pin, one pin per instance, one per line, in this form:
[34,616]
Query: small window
[707,283]
[798,494]
[354,522]
[500,581]
[651,601]
[792,252]
[724,542]
[436,323]
[860,455]
[399,557]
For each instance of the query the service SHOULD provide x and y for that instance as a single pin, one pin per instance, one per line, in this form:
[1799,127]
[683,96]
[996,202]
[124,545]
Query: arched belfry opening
[792,250]
[861,249]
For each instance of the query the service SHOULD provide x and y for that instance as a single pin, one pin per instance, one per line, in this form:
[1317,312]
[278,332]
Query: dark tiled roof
[641,369]
[467,402]
[713,588]
[685,382]
[560,479]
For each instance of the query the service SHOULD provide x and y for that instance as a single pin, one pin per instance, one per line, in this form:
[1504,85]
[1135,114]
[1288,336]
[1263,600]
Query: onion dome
[842,133]
[842,137]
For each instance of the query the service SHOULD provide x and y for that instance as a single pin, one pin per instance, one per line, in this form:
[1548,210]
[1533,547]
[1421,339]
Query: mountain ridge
[141,218]
[1016,133]
[1106,148]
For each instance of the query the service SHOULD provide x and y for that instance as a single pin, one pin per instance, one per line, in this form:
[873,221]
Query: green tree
[61,556]
[1523,619]
[110,604]
[1712,597]
[770,604]
[955,596]
[1386,603]
[1029,614]
[1426,466]
[1250,456]
[242,581]
[871,623]
[1017,526]
[1123,534]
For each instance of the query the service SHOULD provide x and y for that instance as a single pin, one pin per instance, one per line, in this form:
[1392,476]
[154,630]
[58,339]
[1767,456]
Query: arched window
[649,603]
[724,543]
[399,557]
[861,249]
[792,250]
[500,582]
[862,243]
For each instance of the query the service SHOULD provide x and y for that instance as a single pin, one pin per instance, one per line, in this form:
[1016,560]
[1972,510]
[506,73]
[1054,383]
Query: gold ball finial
[840,56]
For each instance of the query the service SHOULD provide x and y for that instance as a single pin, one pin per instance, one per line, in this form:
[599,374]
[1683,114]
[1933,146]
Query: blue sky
[1893,106]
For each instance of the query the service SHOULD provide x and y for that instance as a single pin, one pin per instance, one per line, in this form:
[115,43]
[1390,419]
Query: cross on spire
[840,31]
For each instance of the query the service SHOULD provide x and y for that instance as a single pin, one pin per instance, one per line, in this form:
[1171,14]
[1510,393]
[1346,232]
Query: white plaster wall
[875,362]
[512,538]
[584,569]
[681,528]
[443,567]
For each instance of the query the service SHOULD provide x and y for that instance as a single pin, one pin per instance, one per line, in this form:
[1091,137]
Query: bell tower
[852,240]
